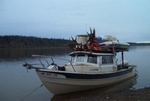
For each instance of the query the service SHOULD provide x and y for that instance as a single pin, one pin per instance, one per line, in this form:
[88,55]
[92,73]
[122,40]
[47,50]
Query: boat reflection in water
[96,94]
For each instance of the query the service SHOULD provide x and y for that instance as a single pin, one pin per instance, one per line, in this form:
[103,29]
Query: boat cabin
[87,62]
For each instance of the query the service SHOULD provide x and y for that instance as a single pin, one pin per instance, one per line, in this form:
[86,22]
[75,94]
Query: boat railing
[52,58]
[45,63]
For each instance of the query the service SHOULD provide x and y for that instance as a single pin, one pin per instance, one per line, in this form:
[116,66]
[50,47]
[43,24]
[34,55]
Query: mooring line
[31,92]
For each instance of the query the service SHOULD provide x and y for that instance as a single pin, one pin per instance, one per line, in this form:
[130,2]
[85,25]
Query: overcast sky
[128,20]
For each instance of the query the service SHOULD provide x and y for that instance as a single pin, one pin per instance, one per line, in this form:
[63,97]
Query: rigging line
[31,92]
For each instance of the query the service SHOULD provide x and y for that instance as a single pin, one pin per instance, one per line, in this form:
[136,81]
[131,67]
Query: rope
[31,92]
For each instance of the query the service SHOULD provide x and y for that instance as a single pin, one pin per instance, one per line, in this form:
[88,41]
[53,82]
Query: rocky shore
[126,95]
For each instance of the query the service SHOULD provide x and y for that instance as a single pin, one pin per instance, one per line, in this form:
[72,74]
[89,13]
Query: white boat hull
[117,45]
[57,83]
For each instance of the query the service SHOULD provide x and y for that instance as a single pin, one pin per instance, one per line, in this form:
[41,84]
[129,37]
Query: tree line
[15,41]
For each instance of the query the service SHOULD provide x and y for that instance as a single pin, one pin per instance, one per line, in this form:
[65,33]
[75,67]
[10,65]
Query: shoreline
[142,94]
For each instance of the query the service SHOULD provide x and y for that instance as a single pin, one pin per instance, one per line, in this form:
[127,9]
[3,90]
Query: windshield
[80,58]
[92,59]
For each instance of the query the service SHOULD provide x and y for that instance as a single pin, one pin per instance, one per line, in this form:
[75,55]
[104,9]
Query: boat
[91,66]
[113,42]
[94,93]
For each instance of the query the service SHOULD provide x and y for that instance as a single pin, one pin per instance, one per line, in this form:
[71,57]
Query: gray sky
[128,20]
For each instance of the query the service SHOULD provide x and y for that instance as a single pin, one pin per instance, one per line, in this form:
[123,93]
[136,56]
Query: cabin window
[73,58]
[80,58]
[108,59]
[92,59]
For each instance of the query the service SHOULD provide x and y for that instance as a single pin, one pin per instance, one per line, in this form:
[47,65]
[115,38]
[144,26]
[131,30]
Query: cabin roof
[90,53]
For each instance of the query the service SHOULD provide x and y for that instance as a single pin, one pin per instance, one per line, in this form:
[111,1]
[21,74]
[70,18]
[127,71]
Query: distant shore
[36,47]
[15,41]
[138,44]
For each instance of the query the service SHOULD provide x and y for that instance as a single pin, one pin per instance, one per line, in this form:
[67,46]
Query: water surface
[18,84]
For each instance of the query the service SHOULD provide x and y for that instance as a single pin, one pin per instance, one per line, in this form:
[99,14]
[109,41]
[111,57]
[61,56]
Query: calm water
[18,84]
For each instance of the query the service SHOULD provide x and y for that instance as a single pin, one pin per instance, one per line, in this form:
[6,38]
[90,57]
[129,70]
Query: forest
[16,41]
